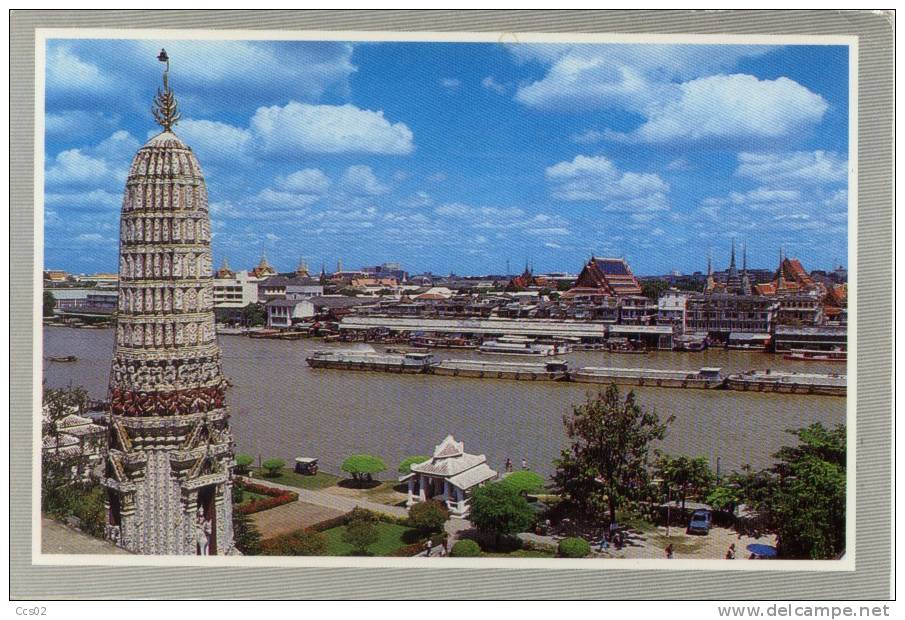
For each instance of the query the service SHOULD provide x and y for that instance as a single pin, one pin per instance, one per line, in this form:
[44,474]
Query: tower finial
[165,111]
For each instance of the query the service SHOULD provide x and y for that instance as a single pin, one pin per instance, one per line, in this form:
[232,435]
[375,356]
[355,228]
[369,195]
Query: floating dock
[788,382]
[553,370]
[705,378]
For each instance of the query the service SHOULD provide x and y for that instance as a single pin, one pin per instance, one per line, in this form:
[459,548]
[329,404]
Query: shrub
[428,516]
[363,466]
[524,481]
[361,534]
[465,549]
[405,467]
[574,548]
[276,497]
[272,467]
[299,542]
[243,463]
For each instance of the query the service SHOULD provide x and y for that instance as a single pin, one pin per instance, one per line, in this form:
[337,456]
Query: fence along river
[283,408]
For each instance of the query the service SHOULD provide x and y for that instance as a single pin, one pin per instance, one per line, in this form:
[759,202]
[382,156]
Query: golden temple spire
[165,112]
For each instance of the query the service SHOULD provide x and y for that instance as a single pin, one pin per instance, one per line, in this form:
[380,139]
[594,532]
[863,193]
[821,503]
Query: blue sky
[461,156]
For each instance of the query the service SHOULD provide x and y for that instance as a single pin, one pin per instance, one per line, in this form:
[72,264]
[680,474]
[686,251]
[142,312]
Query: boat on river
[553,370]
[788,382]
[813,355]
[62,358]
[355,359]
[519,345]
[705,378]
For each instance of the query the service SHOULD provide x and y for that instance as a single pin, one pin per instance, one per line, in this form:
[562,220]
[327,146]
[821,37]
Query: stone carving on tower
[168,473]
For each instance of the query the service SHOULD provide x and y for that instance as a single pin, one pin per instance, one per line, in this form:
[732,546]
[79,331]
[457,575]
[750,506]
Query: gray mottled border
[875,226]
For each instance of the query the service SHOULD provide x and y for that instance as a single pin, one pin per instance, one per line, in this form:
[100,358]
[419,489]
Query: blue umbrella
[764,551]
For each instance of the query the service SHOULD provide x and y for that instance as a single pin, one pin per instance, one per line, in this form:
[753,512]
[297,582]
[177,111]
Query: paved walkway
[290,517]
[59,538]
[329,500]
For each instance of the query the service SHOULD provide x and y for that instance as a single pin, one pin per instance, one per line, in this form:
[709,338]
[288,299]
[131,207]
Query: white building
[287,312]
[448,476]
[672,309]
[236,291]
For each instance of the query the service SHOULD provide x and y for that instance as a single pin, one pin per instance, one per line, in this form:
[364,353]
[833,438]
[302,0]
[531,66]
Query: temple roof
[451,460]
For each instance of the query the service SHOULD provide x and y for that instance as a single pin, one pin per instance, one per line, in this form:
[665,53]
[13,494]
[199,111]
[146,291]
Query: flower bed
[275,497]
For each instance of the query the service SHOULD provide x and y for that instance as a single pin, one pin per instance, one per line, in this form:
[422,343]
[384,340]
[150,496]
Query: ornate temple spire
[733,282]
[746,281]
[780,279]
[165,106]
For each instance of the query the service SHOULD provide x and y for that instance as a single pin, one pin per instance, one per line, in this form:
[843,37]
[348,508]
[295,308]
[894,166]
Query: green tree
[243,463]
[363,467]
[254,315]
[361,531]
[806,505]
[245,534]
[428,516]
[606,462]
[654,289]
[49,302]
[272,467]
[500,510]
[688,476]
[405,467]
[524,481]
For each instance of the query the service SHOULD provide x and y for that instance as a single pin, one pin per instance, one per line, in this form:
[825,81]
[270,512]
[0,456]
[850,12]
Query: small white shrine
[448,477]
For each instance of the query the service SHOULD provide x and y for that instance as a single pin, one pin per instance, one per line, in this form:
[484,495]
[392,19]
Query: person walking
[524,463]
[429,544]
[730,553]
[508,465]
[669,551]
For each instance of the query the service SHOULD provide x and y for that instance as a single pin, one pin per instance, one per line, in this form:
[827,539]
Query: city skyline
[329,151]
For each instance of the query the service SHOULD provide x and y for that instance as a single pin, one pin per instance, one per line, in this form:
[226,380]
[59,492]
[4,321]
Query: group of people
[509,466]
[730,552]
[441,548]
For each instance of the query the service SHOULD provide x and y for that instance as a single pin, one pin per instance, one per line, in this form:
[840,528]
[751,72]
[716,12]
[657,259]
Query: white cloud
[285,200]
[73,167]
[799,167]
[491,84]
[597,178]
[76,123]
[360,180]
[66,71]
[303,127]
[732,106]
[416,200]
[588,137]
[460,210]
[306,181]
[450,83]
[214,141]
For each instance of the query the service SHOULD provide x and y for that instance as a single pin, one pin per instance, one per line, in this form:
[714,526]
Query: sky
[463,157]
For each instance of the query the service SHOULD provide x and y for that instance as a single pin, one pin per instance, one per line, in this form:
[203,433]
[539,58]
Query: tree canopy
[405,467]
[500,510]
[806,504]
[687,475]
[606,462]
[363,466]
[48,303]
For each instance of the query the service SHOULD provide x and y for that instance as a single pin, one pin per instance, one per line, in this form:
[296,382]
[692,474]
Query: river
[282,408]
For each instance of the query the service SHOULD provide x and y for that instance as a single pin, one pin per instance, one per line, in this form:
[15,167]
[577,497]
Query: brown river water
[282,408]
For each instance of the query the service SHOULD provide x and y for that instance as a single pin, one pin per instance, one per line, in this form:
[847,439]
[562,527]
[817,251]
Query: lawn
[392,537]
[292,479]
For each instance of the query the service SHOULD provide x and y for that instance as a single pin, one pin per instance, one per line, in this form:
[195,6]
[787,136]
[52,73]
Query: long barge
[406,363]
[553,370]
[788,382]
[705,378]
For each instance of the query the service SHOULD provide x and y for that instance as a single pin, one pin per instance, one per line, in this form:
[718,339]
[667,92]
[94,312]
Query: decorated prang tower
[169,490]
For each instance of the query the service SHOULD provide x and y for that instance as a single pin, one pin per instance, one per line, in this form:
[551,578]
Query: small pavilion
[448,476]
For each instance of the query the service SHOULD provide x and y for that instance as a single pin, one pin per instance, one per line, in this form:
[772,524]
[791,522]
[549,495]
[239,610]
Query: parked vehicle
[700,522]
